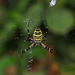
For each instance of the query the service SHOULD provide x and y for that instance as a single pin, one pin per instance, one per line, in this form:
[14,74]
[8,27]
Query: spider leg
[23,51]
[28,37]
[28,28]
[44,39]
[30,40]
[46,30]
[47,48]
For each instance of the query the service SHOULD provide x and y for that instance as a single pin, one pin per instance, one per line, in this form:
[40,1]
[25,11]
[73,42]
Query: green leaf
[60,21]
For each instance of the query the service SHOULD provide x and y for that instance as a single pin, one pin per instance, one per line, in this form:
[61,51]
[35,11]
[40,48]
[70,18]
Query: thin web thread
[52,3]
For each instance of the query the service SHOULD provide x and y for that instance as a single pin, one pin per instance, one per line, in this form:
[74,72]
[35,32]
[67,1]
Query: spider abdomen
[37,35]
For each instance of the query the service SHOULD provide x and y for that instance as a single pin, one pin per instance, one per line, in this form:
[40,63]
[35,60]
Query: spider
[37,39]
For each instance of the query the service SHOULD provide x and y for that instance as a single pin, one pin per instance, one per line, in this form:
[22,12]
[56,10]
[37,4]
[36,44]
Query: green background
[61,33]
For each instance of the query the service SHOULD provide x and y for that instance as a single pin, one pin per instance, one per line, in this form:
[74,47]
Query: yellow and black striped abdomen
[37,35]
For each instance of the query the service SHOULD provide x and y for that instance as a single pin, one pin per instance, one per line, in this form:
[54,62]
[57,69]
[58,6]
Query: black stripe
[46,47]
[39,43]
[28,30]
[51,50]
[46,29]
[27,49]
[37,30]
[34,44]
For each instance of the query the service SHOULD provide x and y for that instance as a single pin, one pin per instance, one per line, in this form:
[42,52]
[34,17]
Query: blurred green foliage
[61,33]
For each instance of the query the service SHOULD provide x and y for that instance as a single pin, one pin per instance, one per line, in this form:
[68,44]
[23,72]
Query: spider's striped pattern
[37,38]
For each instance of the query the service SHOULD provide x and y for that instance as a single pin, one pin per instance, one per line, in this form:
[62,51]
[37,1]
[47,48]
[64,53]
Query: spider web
[29,66]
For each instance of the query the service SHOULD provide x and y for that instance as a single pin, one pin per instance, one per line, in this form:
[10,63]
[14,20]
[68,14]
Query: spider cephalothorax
[37,39]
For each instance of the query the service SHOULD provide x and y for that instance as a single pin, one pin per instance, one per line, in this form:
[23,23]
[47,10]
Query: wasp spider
[37,39]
